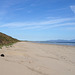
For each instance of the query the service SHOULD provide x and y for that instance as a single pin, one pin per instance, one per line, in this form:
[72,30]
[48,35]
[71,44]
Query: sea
[58,43]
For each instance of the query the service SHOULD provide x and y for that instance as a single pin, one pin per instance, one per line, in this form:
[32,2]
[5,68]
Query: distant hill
[63,41]
[5,39]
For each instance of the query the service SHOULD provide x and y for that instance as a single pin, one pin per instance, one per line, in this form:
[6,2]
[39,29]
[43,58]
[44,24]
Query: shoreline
[52,44]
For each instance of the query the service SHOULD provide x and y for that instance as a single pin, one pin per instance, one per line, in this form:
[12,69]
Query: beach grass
[6,40]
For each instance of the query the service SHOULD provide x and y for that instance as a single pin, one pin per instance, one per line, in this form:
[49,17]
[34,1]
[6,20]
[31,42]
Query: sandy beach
[26,58]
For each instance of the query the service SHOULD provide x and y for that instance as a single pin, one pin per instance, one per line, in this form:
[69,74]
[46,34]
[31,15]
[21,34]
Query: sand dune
[26,58]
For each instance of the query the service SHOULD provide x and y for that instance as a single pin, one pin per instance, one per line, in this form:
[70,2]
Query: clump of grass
[8,45]
[0,47]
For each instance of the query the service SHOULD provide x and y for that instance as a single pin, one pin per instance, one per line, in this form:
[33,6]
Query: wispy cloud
[73,8]
[31,27]
[6,4]
[52,17]
[60,25]
[42,25]
[70,28]
[60,9]
[9,3]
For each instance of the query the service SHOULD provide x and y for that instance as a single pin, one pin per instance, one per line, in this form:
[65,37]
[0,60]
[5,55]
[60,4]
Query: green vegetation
[6,40]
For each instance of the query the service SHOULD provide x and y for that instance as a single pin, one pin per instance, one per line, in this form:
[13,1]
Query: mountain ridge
[73,40]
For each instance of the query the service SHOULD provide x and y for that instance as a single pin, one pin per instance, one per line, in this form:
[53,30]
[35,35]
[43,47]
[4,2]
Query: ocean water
[70,44]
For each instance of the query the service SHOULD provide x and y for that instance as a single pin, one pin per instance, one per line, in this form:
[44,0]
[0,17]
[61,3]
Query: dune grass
[6,40]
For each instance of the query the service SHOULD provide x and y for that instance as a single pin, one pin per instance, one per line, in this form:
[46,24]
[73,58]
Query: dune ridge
[6,40]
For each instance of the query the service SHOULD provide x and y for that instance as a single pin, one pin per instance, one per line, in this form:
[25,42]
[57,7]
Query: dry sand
[26,58]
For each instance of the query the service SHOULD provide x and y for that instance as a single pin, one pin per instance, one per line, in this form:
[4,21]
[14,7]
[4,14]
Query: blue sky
[38,19]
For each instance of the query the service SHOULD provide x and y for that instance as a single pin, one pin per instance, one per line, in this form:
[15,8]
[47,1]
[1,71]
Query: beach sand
[26,58]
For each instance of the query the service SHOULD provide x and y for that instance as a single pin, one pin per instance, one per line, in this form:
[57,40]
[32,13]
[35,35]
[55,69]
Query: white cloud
[73,8]
[10,3]
[52,17]
[42,25]
[60,9]
[60,25]
[31,27]
[70,28]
